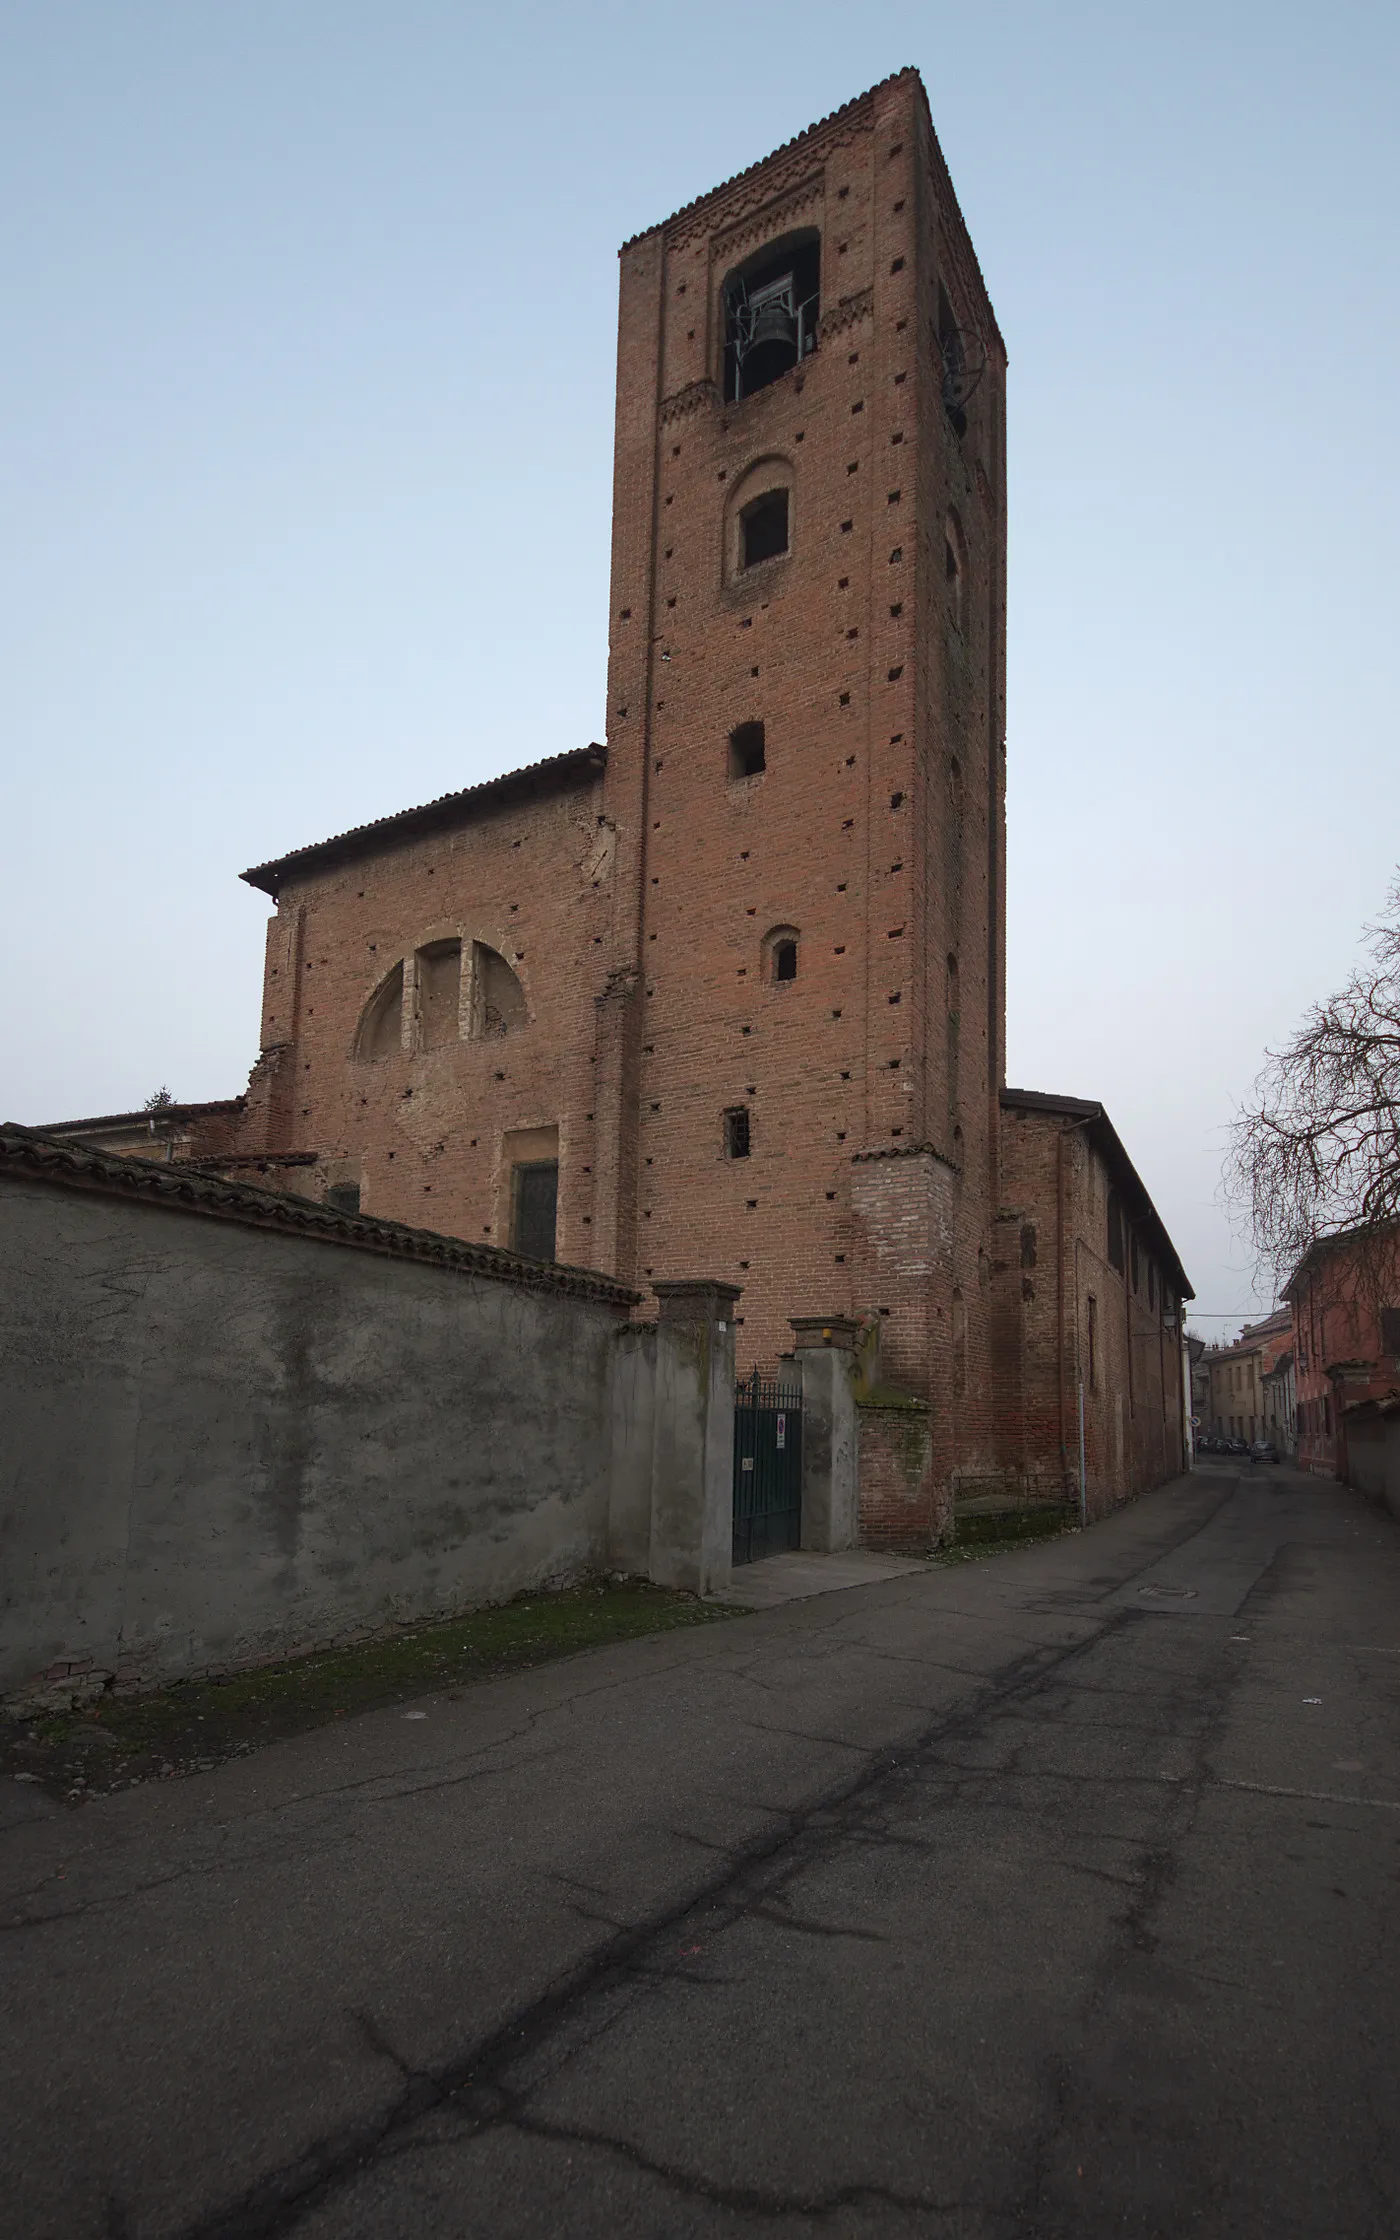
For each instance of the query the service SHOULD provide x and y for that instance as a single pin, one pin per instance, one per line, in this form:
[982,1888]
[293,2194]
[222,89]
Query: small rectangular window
[736,1132]
[748,753]
[344,1197]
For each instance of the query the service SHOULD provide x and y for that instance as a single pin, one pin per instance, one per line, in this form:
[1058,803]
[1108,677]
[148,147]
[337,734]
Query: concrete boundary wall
[236,1427]
[225,1437]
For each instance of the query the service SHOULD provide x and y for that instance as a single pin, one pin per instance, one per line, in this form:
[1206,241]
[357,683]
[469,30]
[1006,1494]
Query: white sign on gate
[782,1433]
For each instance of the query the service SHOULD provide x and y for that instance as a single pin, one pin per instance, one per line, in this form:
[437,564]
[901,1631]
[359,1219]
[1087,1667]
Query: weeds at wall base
[120,1742]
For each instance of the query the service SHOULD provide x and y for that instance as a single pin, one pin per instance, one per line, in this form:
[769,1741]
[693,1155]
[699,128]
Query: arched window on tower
[780,953]
[771,306]
[758,519]
[763,528]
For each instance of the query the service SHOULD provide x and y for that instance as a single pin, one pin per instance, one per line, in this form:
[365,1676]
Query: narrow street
[1053,1894]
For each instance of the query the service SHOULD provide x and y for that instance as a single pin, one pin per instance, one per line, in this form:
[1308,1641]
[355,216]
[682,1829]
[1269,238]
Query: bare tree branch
[1317,1148]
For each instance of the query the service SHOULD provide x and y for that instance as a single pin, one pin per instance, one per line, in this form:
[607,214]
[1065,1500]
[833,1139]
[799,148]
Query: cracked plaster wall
[219,1445]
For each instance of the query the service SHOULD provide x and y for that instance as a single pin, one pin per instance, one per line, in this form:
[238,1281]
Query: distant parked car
[1237,1446]
[1263,1450]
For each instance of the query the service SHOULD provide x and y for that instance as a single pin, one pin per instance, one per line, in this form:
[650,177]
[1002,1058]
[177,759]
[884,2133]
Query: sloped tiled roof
[786,147]
[26,1155]
[158,1113]
[1107,1141]
[576,767]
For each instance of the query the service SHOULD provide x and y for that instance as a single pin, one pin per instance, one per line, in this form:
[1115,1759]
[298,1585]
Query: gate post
[692,1469]
[826,1359]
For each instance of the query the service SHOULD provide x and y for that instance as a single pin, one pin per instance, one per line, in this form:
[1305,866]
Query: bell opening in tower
[771,307]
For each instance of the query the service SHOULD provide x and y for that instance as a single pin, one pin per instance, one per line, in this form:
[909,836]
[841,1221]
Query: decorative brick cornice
[215,1161]
[27,1156]
[905,1151]
[694,397]
[845,312]
[847,115]
[771,217]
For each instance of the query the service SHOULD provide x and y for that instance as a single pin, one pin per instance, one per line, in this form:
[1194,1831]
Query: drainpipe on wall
[1060,1300]
[1073,1127]
[1083,1471]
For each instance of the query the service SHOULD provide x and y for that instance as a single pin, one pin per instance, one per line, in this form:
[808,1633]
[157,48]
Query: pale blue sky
[305,449]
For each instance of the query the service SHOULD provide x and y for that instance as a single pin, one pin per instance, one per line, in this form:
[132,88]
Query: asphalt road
[1049,1895]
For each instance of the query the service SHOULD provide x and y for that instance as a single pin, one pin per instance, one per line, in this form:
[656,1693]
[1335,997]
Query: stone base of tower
[904,1506]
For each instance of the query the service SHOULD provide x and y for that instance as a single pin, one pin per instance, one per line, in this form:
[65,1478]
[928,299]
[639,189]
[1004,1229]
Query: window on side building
[1115,1232]
[534,1208]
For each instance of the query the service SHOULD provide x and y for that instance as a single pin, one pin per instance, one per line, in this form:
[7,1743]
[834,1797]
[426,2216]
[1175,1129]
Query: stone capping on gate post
[826,1360]
[692,1475]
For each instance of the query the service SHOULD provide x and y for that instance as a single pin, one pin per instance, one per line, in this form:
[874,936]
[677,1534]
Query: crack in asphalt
[763,2201]
[275,2205]
[1307,1796]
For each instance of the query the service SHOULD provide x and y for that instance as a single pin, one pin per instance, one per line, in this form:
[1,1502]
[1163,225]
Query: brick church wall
[427,1133]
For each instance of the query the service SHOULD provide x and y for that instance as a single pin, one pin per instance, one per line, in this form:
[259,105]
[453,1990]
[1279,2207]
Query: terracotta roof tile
[1089,1113]
[786,147]
[557,770]
[26,1155]
[158,1113]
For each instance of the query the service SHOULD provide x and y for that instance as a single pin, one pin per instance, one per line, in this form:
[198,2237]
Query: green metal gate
[767,1468]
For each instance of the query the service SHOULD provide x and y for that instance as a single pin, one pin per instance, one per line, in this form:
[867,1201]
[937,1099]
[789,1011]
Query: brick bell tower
[800,1039]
